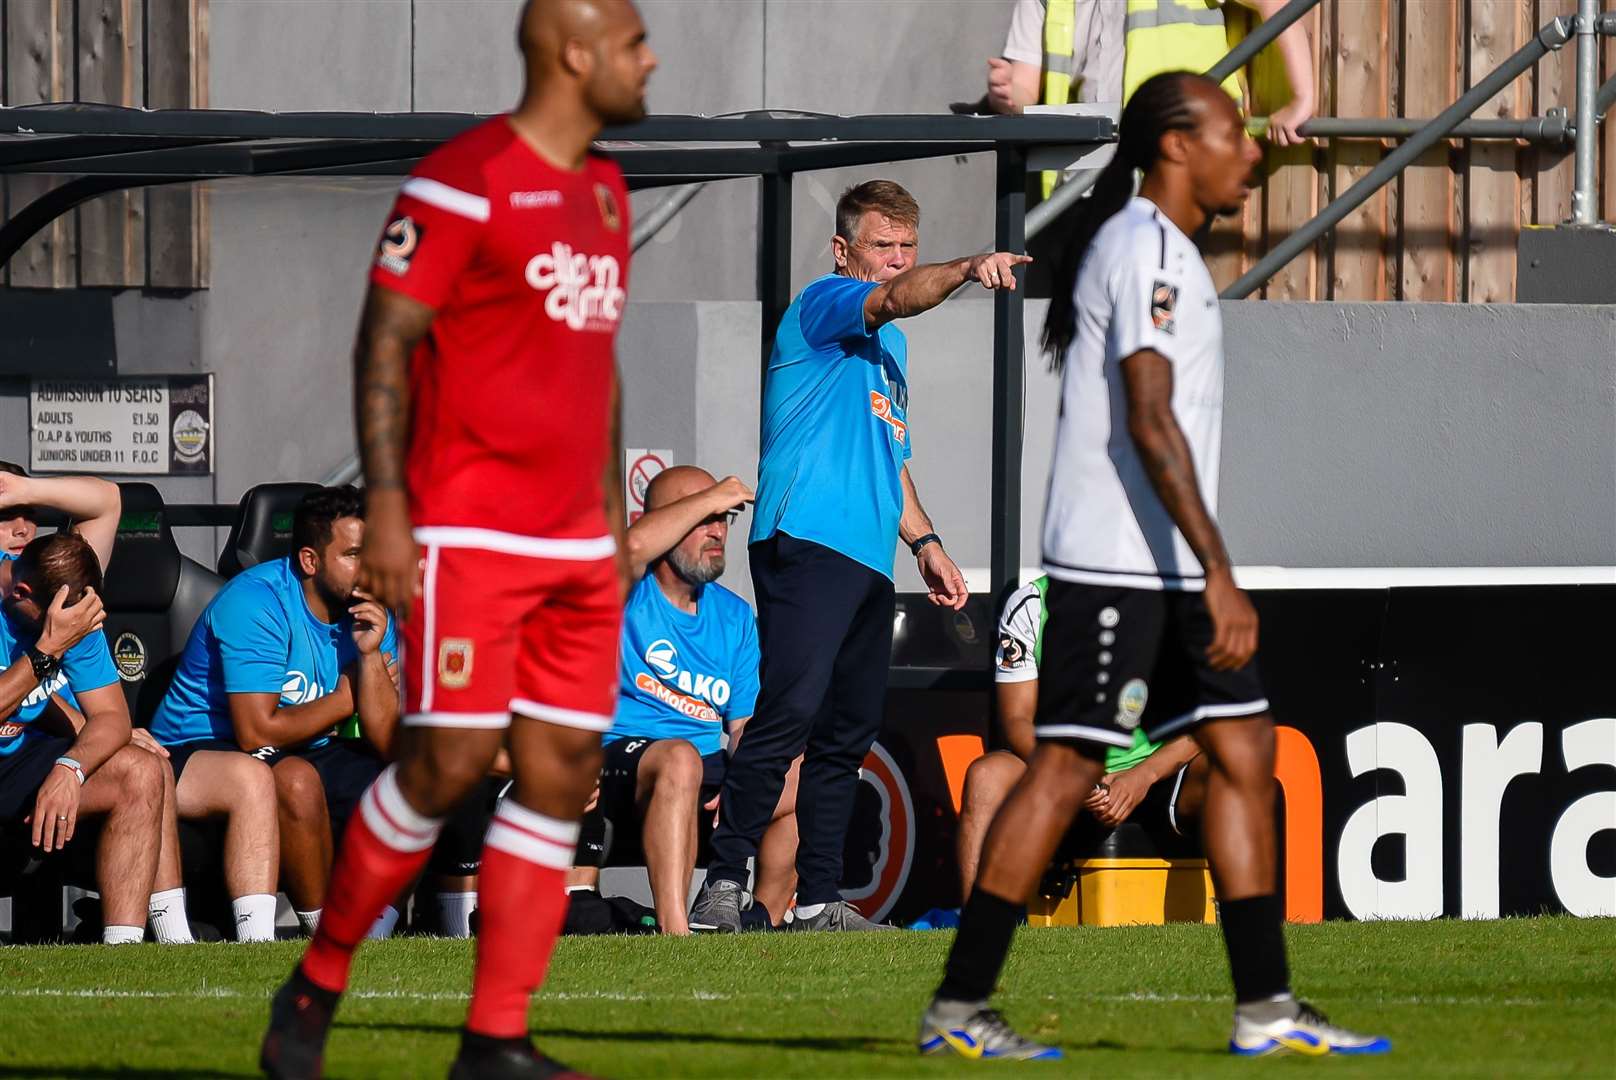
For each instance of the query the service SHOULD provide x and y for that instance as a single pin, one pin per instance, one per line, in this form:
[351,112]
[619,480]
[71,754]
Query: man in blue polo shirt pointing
[834,495]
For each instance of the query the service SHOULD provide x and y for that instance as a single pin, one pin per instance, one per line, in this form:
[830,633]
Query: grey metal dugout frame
[106,148]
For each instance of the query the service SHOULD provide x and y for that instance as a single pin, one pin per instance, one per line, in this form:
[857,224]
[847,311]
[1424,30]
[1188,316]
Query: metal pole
[1554,34]
[774,259]
[1253,43]
[1009,376]
[1585,187]
[1553,128]
[660,214]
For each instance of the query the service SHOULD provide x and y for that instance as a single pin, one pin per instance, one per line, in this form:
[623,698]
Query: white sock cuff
[394,821]
[255,917]
[122,935]
[532,836]
[309,920]
[167,895]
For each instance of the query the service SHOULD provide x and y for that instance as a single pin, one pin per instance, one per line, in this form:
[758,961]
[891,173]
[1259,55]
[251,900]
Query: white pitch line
[214,993]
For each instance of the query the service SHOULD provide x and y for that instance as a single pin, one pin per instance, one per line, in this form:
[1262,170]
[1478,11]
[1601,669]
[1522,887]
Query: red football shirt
[526,266]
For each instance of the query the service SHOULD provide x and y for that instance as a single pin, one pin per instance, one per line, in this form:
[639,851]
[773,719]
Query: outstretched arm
[921,288]
[1165,454]
[391,327]
[93,504]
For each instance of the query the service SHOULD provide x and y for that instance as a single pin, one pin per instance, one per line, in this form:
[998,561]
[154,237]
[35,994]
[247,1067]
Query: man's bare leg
[1030,824]
[777,853]
[667,794]
[987,784]
[529,849]
[239,788]
[1238,822]
[305,833]
[128,790]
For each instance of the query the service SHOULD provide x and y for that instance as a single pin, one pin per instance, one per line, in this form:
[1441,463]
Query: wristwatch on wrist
[921,541]
[45,665]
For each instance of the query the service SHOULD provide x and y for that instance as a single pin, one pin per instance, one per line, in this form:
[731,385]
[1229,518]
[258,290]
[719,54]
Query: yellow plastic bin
[1130,892]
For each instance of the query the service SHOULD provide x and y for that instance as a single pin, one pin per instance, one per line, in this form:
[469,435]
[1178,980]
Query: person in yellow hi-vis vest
[1101,50]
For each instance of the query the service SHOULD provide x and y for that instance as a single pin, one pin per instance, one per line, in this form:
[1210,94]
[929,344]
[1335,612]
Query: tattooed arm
[389,330]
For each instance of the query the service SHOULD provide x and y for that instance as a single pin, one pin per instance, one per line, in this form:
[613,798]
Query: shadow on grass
[787,1042]
[831,1044]
[112,1072]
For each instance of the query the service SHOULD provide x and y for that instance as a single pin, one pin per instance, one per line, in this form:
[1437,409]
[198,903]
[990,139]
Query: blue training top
[257,636]
[685,676]
[835,426]
[86,666]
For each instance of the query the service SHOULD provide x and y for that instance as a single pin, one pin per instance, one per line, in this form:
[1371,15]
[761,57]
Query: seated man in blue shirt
[286,652]
[689,669]
[52,643]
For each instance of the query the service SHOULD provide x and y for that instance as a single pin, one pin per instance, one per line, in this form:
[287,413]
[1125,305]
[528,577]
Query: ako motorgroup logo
[881,406]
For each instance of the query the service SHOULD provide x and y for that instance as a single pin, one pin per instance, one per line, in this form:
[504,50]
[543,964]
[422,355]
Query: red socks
[384,848]
[522,904]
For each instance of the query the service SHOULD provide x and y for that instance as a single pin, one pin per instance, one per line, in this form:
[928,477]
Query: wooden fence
[1446,229]
[148,53]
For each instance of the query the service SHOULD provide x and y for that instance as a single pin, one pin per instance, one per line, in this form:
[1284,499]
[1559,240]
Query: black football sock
[987,925]
[1253,932]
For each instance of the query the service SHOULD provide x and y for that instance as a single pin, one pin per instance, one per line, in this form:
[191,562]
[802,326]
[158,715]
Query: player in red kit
[486,394]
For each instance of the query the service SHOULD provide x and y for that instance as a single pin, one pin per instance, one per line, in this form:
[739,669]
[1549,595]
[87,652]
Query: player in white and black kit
[1146,625]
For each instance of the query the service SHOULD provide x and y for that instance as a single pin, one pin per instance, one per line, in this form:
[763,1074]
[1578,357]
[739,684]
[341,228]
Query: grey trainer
[838,916]
[717,907]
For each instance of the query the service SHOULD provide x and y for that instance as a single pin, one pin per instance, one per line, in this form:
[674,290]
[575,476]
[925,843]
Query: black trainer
[483,1057]
[299,1020]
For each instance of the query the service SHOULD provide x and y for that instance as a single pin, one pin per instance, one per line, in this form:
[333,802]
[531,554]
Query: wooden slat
[1607,152]
[112,244]
[39,67]
[1428,78]
[1492,186]
[1357,72]
[176,51]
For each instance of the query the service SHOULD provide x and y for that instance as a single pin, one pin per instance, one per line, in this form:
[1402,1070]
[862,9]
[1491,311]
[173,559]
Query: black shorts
[179,755]
[619,778]
[459,850]
[23,770]
[1116,659]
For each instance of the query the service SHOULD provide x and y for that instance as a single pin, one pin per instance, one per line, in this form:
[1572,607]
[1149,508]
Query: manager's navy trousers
[825,628]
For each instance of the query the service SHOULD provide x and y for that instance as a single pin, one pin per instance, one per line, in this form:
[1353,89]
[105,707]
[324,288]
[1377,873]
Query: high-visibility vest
[1060,64]
[1173,35]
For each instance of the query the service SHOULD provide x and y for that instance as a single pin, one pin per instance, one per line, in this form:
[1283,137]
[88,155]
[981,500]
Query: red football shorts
[498,632]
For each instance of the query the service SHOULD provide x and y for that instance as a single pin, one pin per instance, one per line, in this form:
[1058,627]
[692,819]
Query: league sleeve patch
[1010,652]
[400,240]
[1163,303]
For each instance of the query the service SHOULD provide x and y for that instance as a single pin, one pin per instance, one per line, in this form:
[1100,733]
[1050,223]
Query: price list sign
[160,425]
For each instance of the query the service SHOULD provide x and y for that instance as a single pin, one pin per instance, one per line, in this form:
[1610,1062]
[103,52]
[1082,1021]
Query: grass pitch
[1521,997]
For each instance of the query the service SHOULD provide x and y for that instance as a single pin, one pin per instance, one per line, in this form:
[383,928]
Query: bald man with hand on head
[689,675]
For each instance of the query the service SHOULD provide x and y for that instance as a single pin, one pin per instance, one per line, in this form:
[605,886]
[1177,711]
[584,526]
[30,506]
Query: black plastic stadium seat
[153,597]
[263,526]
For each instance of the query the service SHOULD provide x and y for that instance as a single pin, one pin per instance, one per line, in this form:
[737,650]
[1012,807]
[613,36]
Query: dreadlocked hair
[1161,104]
